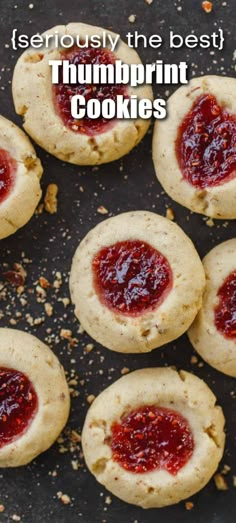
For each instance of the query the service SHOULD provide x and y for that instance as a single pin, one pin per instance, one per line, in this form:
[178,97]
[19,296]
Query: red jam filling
[206,144]
[131,277]
[64,92]
[152,438]
[18,404]
[225,312]
[8,168]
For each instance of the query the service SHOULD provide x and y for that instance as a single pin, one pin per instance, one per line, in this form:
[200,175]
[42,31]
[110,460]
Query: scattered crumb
[194,360]
[90,398]
[66,334]
[64,498]
[102,210]
[234,481]
[89,347]
[132,18]
[48,309]
[210,222]
[189,505]
[149,2]
[125,370]
[108,500]
[170,214]
[15,517]
[220,482]
[225,470]
[2,508]
[207,6]
[50,199]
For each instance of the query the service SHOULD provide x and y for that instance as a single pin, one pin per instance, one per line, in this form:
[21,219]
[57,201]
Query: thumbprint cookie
[46,107]
[194,149]
[20,173]
[213,333]
[136,282]
[154,437]
[34,398]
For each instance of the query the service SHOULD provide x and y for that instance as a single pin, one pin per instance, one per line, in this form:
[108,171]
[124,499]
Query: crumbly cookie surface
[33,99]
[19,206]
[154,327]
[217,201]
[168,388]
[209,342]
[25,353]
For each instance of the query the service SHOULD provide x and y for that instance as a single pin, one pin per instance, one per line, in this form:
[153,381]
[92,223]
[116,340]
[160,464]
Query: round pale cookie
[136,282]
[129,422]
[34,400]
[194,148]
[35,99]
[213,333]
[20,173]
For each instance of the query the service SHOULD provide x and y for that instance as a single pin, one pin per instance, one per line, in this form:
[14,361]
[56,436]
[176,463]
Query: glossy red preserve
[8,168]
[225,312]
[64,92]
[206,144]
[131,277]
[18,404]
[152,438]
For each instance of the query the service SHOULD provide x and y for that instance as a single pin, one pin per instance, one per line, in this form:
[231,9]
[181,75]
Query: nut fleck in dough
[216,201]
[18,207]
[154,327]
[23,352]
[33,99]
[209,342]
[163,387]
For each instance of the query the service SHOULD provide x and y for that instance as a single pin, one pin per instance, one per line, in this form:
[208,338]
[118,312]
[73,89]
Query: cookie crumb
[50,199]
[132,18]
[220,482]
[125,370]
[210,222]
[189,505]
[89,347]
[170,214]
[2,508]
[15,517]
[149,2]
[48,309]
[194,360]
[90,398]
[234,481]
[108,500]
[102,210]
[64,498]
[207,6]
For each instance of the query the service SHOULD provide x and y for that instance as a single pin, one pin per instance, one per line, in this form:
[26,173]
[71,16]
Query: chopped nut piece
[102,210]
[44,283]
[210,222]
[170,214]
[189,505]
[48,309]
[207,6]
[125,370]
[220,482]
[66,333]
[64,498]
[132,18]
[90,398]
[50,198]
[89,347]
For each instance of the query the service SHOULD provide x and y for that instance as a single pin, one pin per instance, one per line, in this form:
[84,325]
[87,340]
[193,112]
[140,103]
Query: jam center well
[152,438]
[131,277]
[225,311]
[206,144]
